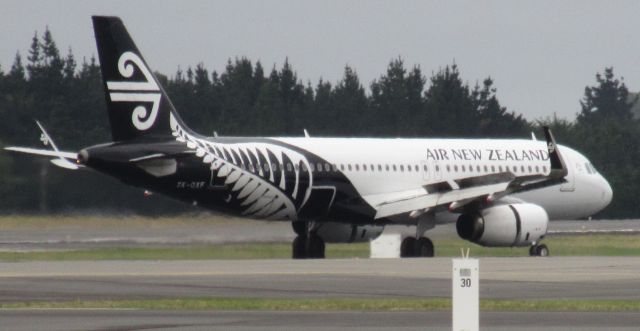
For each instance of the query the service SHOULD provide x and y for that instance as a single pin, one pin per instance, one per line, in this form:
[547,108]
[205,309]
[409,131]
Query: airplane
[499,192]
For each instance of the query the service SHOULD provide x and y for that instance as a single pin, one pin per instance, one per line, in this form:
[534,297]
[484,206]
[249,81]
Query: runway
[65,320]
[598,278]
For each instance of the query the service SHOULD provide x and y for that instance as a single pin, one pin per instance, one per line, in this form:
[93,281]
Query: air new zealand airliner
[498,192]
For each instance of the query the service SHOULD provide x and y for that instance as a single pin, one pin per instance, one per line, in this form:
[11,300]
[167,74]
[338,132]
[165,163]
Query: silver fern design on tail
[126,68]
[258,174]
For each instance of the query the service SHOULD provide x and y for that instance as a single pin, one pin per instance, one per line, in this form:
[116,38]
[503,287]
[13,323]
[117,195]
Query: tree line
[246,100]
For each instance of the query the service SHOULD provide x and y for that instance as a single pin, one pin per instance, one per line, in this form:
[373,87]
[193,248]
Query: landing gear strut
[307,245]
[410,247]
[539,250]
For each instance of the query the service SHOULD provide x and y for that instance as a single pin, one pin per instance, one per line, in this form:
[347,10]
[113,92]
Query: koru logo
[136,92]
[551,147]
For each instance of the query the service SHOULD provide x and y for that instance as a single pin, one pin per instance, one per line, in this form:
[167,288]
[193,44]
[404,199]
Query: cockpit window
[591,169]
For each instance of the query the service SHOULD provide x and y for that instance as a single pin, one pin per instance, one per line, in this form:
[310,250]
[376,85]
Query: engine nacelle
[348,233]
[520,224]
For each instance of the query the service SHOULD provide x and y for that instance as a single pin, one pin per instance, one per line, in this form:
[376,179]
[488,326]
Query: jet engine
[519,224]
[347,233]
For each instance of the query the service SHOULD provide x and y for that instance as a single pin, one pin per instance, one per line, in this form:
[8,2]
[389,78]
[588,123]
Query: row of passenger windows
[326,167]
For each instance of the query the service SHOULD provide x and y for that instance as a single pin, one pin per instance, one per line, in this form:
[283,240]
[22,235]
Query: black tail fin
[138,106]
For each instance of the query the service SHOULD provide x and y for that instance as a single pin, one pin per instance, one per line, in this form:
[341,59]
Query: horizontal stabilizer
[62,159]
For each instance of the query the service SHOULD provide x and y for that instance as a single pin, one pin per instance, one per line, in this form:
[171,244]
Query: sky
[540,54]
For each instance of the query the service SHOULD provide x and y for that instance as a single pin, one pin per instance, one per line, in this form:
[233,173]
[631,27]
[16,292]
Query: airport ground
[556,293]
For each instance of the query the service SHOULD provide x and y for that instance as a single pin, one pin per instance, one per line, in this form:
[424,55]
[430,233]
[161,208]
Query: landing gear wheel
[299,247]
[304,247]
[424,247]
[408,247]
[539,250]
[315,247]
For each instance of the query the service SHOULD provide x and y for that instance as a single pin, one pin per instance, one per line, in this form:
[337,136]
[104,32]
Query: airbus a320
[498,192]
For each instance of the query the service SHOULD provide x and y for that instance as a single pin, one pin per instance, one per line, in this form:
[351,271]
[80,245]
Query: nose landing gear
[539,250]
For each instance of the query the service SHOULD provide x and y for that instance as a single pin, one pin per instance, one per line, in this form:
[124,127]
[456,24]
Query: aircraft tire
[315,248]
[424,247]
[299,247]
[408,247]
[542,250]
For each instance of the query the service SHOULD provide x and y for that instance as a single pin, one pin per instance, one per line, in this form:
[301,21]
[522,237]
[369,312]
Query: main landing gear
[412,247]
[539,250]
[307,244]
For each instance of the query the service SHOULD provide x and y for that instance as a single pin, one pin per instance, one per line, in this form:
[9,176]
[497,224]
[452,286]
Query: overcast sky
[541,54]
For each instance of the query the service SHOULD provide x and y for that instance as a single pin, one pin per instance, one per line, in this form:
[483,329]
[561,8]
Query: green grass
[575,245]
[331,304]
[594,245]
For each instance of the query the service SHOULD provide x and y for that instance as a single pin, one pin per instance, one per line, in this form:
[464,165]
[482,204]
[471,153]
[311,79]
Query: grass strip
[583,245]
[331,304]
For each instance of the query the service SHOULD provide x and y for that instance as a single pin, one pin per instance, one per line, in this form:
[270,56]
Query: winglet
[558,167]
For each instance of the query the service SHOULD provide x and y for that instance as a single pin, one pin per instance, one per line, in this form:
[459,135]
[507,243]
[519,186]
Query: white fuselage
[380,167]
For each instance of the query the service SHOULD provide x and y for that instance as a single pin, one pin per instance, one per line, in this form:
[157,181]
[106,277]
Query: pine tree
[449,107]
[69,66]
[17,69]
[35,58]
[608,100]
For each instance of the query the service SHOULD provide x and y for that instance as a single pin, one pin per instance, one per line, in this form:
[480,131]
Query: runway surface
[597,278]
[66,320]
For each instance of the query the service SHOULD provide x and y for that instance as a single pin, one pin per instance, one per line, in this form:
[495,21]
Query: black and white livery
[499,192]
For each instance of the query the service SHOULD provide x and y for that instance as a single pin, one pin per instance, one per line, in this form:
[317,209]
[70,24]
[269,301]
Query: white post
[466,295]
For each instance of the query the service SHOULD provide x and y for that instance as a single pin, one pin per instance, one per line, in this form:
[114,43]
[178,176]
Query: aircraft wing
[455,194]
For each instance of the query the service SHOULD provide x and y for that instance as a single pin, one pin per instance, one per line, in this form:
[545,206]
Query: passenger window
[521,168]
[455,168]
[544,169]
[437,168]
[289,167]
[394,167]
[500,168]
[478,168]
[448,168]
[486,169]
[296,167]
[349,166]
[530,170]
[386,167]
[334,167]
[379,167]
[401,168]
[424,167]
